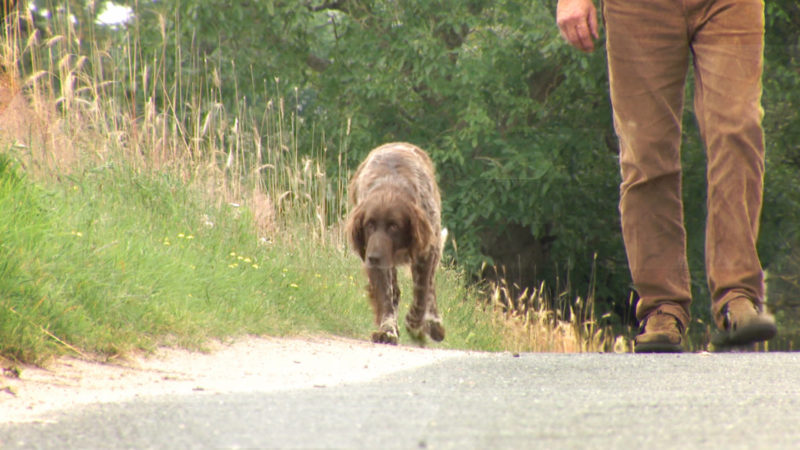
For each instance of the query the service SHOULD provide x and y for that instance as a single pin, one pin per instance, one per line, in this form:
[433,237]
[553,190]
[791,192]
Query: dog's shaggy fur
[395,220]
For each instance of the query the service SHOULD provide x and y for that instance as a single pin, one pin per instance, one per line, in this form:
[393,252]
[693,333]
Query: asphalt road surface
[701,400]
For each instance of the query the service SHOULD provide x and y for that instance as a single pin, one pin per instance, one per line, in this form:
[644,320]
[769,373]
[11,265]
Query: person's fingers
[583,37]
[567,33]
[593,25]
[570,33]
[579,33]
[577,22]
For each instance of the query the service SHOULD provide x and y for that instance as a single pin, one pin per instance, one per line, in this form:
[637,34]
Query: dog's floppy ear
[355,230]
[421,231]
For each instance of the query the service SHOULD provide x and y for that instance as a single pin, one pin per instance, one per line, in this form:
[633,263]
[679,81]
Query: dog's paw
[385,337]
[435,330]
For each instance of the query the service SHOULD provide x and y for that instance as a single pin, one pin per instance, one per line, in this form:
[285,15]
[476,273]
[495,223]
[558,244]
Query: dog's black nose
[373,260]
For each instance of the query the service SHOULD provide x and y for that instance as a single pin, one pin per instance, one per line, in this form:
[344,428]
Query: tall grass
[137,210]
[534,321]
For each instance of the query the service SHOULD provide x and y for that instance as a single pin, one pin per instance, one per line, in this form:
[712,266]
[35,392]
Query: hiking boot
[660,332]
[744,325]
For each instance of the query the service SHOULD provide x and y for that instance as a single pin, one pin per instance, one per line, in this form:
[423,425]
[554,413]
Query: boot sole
[760,329]
[657,347]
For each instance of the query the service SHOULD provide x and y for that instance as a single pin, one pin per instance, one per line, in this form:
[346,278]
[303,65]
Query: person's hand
[577,21]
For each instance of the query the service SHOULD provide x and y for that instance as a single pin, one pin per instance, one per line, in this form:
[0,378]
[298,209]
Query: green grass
[108,261]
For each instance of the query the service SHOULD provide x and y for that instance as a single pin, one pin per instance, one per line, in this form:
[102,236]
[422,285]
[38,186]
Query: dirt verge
[248,365]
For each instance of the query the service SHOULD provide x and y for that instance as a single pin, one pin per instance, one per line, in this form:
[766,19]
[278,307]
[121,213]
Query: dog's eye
[370,225]
[393,228]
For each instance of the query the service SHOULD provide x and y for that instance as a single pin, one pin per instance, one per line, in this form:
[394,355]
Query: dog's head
[386,230]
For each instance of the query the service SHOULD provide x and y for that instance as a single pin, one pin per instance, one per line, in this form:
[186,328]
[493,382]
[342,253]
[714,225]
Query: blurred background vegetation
[518,124]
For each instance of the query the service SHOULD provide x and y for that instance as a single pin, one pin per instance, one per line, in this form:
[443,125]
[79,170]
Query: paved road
[734,400]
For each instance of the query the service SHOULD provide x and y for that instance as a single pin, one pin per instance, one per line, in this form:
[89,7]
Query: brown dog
[396,220]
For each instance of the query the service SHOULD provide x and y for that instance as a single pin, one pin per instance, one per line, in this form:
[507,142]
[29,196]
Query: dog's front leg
[382,287]
[423,317]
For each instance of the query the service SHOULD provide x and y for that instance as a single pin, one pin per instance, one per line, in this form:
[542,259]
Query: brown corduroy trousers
[650,44]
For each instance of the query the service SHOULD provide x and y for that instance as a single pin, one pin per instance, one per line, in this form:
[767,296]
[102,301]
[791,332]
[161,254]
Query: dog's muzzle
[379,251]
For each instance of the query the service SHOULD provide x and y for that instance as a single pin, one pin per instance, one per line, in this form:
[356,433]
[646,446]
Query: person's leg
[727,43]
[648,56]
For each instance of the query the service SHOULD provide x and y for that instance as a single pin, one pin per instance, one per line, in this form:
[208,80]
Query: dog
[396,220]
